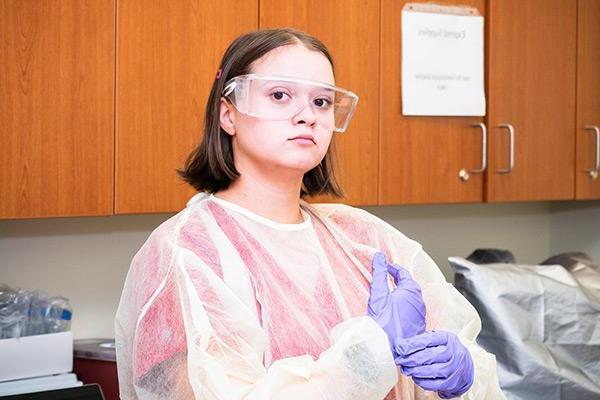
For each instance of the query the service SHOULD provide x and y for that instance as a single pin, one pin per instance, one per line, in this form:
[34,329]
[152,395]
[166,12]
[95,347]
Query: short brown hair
[210,167]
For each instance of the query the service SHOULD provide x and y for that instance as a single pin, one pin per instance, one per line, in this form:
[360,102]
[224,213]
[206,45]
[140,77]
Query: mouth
[304,138]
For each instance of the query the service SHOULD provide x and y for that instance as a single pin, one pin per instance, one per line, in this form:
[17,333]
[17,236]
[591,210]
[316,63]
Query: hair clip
[219,72]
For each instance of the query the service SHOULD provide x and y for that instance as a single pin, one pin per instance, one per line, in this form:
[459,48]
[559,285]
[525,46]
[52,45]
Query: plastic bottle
[58,316]
[14,310]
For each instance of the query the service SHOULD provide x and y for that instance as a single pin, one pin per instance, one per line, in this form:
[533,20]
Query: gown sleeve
[192,337]
[447,309]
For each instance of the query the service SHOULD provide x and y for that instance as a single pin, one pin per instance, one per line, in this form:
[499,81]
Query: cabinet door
[421,157]
[168,55]
[56,108]
[531,82]
[350,30]
[588,98]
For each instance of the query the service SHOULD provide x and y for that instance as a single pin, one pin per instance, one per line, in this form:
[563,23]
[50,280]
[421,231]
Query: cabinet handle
[511,154]
[594,129]
[483,148]
[463,174]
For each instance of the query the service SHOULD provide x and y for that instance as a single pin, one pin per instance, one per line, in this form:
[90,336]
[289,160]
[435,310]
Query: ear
[227,117]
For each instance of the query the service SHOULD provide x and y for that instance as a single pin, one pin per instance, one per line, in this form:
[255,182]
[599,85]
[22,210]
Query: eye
[279,95]
[322,103]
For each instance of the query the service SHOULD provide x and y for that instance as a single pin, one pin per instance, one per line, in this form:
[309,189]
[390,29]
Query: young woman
[252,293]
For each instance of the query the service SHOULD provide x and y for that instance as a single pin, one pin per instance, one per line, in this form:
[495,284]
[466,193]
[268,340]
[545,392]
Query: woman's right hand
[401,312]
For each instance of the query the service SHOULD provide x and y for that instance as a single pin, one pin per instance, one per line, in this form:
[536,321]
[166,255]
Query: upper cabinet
[531,81]
[350,30]
[420,158]
[587,173]
[103,100]
[56,108]
[168,55]
[531,70]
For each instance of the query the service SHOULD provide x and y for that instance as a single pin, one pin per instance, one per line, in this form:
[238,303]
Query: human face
[297,144]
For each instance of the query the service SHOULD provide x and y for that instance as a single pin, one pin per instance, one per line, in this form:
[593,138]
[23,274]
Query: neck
[267,194]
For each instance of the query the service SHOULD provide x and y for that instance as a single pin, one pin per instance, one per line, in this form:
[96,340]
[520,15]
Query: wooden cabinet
[530,68]
[103,100]
[531,88]
[56,108]
[420,157]
[588,99]
[168,55]
[350,30]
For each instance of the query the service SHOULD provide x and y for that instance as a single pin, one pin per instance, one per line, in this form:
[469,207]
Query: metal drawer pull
[463,174]
[593,173]
[511,155]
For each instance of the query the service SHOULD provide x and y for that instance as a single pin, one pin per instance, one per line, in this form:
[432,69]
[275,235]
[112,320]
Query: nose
[305,115]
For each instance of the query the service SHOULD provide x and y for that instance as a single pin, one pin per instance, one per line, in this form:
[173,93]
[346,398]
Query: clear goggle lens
[280,98]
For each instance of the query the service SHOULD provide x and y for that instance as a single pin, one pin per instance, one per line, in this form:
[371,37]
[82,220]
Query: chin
[301,166]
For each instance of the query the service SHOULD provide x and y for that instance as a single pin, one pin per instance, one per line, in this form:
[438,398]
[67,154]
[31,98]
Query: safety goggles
[277,98]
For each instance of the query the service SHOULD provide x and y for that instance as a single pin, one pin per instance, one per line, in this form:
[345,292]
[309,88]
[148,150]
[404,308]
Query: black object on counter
[85,392]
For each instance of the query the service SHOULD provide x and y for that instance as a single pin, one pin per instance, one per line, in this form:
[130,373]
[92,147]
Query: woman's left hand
[437,361]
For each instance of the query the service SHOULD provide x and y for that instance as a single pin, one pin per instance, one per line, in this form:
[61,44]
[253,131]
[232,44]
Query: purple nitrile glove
[401,313]
[436,361]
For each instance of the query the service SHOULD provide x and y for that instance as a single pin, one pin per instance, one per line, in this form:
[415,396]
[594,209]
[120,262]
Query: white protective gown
[221,303]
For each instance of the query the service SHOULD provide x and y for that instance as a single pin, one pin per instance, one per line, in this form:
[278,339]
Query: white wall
[456,230]
[86,259]
[576,226]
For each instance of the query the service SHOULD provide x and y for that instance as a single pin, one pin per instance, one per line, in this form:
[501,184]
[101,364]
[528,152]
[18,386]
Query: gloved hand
[436,361]
[400,313]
